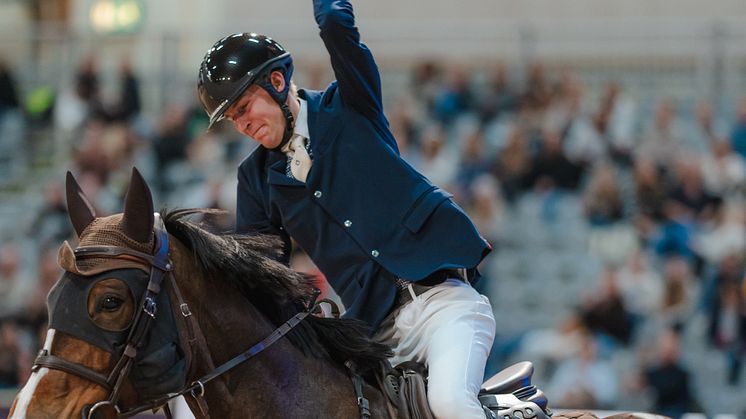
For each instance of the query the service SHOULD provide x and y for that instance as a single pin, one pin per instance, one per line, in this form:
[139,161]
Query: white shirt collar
[301,122]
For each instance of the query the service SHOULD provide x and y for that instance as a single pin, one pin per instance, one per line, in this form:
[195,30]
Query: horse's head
[106,348]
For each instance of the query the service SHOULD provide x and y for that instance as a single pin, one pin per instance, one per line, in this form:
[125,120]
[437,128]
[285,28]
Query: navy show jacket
[364,215]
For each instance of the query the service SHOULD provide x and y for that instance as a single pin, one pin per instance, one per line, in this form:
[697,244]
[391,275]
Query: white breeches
[450,328]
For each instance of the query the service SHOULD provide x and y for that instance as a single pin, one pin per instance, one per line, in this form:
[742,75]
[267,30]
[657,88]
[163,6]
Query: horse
[153,307]
[220,295]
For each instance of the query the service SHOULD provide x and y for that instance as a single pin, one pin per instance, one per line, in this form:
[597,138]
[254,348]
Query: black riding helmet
[236,62]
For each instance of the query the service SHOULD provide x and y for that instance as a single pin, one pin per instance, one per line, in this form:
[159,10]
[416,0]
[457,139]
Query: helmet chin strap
[289,125]
[281,97]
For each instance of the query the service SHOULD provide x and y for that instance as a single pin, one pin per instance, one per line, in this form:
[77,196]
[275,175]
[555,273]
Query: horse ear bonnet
[160,365]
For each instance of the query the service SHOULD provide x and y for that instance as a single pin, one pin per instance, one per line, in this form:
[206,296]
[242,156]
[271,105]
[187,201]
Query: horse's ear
[79,208]
[137,221]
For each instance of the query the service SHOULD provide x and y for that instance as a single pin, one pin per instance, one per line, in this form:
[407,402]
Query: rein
[160,266]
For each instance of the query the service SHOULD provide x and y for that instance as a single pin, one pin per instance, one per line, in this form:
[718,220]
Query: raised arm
[354,67]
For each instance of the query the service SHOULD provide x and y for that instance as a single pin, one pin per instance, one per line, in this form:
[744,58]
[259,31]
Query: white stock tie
[300,161]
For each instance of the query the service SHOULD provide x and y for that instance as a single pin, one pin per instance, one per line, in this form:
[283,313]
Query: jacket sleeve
[252,219]
[353,64]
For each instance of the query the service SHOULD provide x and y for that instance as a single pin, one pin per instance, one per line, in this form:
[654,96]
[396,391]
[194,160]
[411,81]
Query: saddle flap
[510,379]
[405,385]
[413,402]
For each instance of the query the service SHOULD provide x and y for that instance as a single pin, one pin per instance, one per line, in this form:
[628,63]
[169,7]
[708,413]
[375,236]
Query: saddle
[509,392]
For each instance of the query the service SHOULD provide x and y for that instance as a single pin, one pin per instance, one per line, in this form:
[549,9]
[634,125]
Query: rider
[396,249]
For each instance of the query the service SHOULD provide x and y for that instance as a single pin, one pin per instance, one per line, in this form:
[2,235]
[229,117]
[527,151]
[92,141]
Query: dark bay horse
[221,294]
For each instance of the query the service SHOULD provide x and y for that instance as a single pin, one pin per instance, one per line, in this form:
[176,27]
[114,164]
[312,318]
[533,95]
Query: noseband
[160,266]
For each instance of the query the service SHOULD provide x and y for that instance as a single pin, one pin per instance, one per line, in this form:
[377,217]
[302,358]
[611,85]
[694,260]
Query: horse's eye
[110,303]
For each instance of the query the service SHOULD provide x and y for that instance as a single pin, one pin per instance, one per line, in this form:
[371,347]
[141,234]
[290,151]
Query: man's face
[258,116]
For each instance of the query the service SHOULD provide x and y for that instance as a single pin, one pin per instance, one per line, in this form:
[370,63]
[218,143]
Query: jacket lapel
[324,122]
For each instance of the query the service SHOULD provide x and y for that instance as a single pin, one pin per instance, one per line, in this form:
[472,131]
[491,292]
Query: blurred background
[599,145]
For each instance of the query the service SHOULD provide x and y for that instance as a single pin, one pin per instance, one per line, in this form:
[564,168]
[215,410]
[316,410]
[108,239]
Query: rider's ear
[79,208]
[278,80]
[137,221]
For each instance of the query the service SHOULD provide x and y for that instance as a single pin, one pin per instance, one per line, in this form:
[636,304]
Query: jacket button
[348,223]
[374,253]
[317,194]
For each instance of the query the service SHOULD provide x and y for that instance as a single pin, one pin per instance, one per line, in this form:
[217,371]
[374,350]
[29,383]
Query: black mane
[276,290]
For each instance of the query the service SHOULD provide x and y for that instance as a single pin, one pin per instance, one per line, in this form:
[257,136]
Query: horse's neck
[280,381]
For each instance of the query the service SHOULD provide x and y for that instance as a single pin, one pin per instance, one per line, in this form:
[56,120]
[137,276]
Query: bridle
[160,267]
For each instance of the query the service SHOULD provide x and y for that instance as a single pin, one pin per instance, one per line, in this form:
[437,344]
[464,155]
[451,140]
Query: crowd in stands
[661,195]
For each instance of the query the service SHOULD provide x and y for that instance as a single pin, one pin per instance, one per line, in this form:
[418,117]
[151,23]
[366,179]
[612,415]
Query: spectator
[723,235]
[8,90]
[15,285]
[738,134]
[552,169]
[538,92]
[486,207]
[9,353]
[436,163]
[103,148]
[403,121]
[513,164]
[668,379]
[74,106]
[35,317]
[584,381]
[52,224]
[663,138]
[727,316]
[455,98]
[615,121]
[706,129]
[498,97]
[602,198]
[129,96]
[723,171]
[565,115]
[677,302]
[675,237]
[13,159]
[650,188]
[689,191]
[474,161]
[640,286]
[604,311]
[170,144]
[425,82]
[555,345]
[583,144]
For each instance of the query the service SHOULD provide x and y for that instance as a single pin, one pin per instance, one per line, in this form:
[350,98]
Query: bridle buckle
[149,307]
[199,391]
[102,406]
